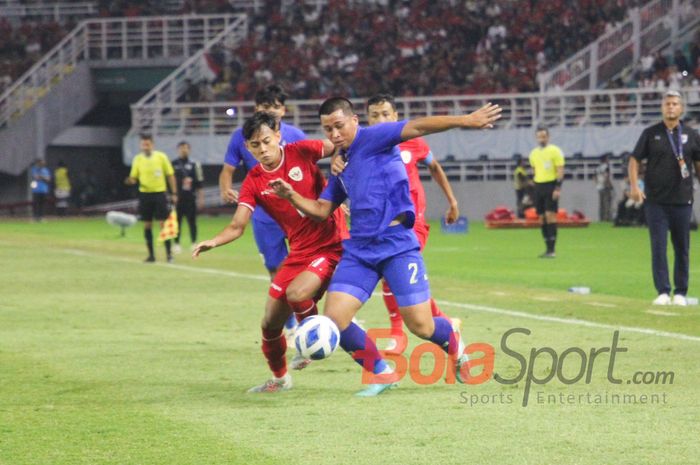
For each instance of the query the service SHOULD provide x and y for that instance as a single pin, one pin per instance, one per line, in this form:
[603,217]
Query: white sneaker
[177,249]
[680,300]
[662,299]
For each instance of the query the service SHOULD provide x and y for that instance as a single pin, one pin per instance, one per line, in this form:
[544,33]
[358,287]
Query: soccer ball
[316,337]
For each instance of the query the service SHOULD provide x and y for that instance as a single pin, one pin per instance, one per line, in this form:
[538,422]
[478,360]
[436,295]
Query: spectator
[41,177]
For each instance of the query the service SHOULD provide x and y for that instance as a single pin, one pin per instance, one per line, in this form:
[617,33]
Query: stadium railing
[651,28]
[58,11]
[562,109]
[112,41]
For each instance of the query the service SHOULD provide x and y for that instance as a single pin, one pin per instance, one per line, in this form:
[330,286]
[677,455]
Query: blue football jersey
[375,181]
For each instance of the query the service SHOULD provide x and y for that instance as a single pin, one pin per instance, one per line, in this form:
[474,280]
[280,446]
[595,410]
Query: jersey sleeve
[233,155]
[384,135]
[308,149]
[246,197]
[695,154]
[134,173]
[559,158]
[334,191]
[640,150]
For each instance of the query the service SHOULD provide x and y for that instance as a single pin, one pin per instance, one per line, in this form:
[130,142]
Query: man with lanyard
[670,149]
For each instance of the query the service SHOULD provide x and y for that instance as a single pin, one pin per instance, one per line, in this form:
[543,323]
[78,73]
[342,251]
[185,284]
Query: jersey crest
[295,174]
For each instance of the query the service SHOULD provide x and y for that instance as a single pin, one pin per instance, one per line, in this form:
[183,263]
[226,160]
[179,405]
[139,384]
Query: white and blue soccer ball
[316,337]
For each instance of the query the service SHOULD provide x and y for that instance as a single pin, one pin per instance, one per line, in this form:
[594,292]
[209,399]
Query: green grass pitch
[106,360]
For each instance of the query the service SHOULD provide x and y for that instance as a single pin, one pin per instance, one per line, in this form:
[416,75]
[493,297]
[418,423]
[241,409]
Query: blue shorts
[269,238]
[394,255]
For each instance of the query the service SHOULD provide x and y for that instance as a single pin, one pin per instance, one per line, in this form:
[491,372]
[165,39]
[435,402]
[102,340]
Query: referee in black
[672,152]
[189,177]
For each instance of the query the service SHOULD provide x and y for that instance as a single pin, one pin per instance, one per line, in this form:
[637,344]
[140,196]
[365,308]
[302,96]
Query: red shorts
[422,231]
[322,265]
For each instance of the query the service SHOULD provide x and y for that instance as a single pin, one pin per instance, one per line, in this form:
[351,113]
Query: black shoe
[548,255]
[170,259]
[150,259]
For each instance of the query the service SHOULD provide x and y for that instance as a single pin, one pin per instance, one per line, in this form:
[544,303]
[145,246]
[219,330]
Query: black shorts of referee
[544,200]
[153,205]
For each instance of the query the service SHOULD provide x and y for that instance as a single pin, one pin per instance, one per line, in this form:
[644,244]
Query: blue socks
[354,341]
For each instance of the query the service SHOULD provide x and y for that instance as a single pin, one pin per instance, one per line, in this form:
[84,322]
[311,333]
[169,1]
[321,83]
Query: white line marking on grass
[546,299]
[500,293]
[257,277]
[662,313]
[569,321]
[600,304]
[478,308]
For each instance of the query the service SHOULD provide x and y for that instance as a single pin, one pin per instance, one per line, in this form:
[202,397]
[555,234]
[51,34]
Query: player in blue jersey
[268,235]
[382,242]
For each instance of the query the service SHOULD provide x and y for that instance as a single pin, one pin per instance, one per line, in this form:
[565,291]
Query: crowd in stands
[414,47]
[23,43]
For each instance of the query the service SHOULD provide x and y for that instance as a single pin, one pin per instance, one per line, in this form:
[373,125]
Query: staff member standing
[150,169]
[189,176]
[670,149]
[547,161]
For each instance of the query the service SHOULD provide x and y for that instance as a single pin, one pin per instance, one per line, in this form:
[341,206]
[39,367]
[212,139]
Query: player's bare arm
[173,187]
[483,118]
[130,181]
[560,178]
[317,210]
[229,234]
[632,171]
[438,174]
[228,193]
[697,170]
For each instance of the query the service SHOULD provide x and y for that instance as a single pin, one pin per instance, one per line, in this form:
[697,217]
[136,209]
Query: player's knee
[298,293]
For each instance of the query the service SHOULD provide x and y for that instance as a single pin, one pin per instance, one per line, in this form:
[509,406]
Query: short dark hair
[146,136]
[376,99]
[270,95]
[334,104]
[259,119]
[183,142]
[542,128]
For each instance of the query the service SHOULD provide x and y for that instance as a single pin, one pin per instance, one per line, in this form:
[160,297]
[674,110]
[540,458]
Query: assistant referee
[150,169]
[547,162]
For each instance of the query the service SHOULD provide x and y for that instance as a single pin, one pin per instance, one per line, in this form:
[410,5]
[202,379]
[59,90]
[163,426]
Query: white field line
[476,308]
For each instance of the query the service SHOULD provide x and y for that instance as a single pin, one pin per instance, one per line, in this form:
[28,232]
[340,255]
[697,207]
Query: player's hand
[484,117]
[173,198]
[345,209]
[452,214]
[130,181]
[281,188]
[556,194]
[229,196]
[203,247]
[337,165]
[637,195]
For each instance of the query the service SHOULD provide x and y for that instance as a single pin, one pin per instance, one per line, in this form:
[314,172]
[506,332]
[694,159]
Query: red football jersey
[412,152]
[298,168]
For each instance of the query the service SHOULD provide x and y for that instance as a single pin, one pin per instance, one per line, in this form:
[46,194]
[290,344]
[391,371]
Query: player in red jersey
[380,109]
[315,247]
